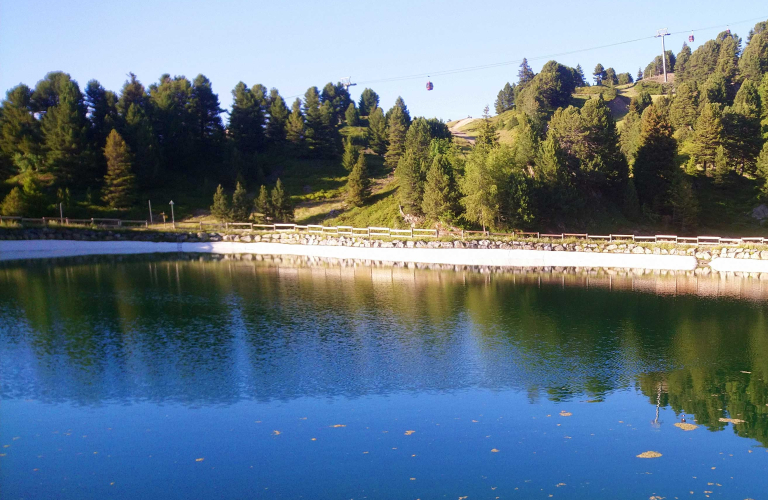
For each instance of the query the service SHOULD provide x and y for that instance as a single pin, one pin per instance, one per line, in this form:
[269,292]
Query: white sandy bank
[26,249]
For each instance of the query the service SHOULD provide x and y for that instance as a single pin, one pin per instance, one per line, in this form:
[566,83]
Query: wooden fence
[378,231]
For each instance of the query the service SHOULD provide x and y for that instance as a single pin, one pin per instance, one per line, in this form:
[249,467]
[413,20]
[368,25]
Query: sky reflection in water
[118,375]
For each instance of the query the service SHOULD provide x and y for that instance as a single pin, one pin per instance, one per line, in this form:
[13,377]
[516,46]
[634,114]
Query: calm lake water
[150,378]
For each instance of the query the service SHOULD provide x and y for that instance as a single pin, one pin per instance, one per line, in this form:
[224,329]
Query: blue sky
[294,44]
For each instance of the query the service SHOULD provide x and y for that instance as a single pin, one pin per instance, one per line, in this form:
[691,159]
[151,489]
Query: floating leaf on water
[744,371]
[314,439]
[686,426]
[494,450]
[199,459]
[559,485]
[565,413]
[413,479]
[649,454]
[654,497]
[338,425]
[112,483]
[732,420]
[408,433]
[275,433]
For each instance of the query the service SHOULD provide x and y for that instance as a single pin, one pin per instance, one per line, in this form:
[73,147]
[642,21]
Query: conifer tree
[707,135]
[610,77]
[505,100]
[369,100]
[296,127]
[683,110]
[581,80]
[639,75]
[349,158]
[721,165]
[417,141]
[133,92]
[762,170]
[142,141]
[277,122]
[263,205]
[397,128]
[222,206]
[358,188]
[753,63]
[741,128]
[351,116]
[19,130]
[119,183]
[525,74]
[629,139]
[526,145]
[377,131]
[281,203]
[205,114]
[101,105]
[681,64]
[481,186]
[654,166]
[241,205]
[599,74]
[487,135]
[64,128]
[437,203]
[410,187]
[631,207]
[314,128]
[14,204]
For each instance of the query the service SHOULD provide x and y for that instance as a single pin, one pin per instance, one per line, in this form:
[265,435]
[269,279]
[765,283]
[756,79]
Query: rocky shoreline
[703,254]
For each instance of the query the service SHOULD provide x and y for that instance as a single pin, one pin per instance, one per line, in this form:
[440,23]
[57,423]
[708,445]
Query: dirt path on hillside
[456,133]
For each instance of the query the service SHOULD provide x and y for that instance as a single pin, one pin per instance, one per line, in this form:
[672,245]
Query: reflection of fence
[381,231]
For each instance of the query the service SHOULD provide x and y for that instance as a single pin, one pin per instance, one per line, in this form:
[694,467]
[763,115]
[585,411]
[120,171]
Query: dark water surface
[148,378]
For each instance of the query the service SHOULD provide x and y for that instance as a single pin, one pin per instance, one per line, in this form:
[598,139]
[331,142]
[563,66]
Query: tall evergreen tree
[263,205]
[277,122]
[133,92]
[438,200]
[65,130]
[683,110]
[505,100]
[241,205]
[102,113]
[119,183]
[525,74]
[377,131]
[281,203]
[222,206]
[581,80]
[599,74]
[246,129]
[397,128]
[410,187]
[142,140]
[610,77]
[406,118]
[358,188]
[174,123]
[741,128]
[417,140]
[369,100]
[295,128]
[315,126]
[487,135]
[654,166]
[707,135]
[19,130]
[349,158]
[681,64]
[206,116]
[351,116]
[762,170]
[639,75]
[753,63]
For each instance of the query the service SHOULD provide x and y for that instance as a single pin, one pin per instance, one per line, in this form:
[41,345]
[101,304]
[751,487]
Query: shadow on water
[199,330]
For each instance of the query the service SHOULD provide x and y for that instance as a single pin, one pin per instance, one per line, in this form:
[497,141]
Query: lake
[201,377]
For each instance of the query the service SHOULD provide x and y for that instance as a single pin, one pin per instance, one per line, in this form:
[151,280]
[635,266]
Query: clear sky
[294,44]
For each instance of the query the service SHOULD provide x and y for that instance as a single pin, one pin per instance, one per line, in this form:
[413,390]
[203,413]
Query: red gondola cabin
[690,38]
[429,85]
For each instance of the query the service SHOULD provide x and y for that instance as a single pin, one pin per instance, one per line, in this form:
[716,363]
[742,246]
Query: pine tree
[102,113]
[397,129]
[246,122]
[296,127]
[505,100]
[437,203]
[241,205]
[277,122]
[599,74]
[639,75]
[525,74]
[683,110]
[358,188]
[610,77]
[417,141]
[631,203]
[19,130]
[487,135]
[65,130]
[263,205]
[205,114]
[222,207]
[707,135]
[351,116]
[480,190]
[753,63]
[582,81]
[142,140]
[629,139]
[377,131]
[14,204]
[741,128]
[133,92]
[369,101]
[281,204]
[314,121]
[119,183]
[349,158]
[654,166]
[721,166]
[410,187]
[681,64]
